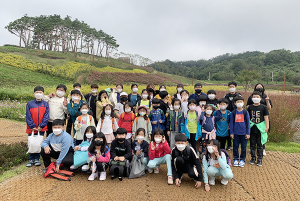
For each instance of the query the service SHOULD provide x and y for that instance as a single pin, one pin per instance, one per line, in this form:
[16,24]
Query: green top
[192,122]
[261,127]
[146,103]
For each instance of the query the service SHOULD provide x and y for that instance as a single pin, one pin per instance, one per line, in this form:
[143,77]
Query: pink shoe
[156,170]
[170,180]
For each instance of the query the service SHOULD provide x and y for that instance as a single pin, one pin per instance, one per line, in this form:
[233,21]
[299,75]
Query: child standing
[91,99]
[174,119]
[179,89]
[184,101]
[145,99]
[259,116]
[140,145]
[37,115]
[142,121]
[211,94]
[127,119]
[82,122]
[159,153]
[222,119]
[107,124]
[239,131]
[100,155]
[207,121]
[157,116]
[119,108]
[134,97]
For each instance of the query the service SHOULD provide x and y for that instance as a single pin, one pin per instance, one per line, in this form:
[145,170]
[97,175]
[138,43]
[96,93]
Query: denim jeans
[239,139]
[162,160]
[35,156]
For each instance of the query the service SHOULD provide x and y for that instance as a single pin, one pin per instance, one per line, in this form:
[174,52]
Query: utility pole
[193,80]
[272,77]
[284,82]
[208,75]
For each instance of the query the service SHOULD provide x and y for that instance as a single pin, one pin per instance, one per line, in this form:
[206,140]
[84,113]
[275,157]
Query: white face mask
[120,90]
[239,105]
[57,131]
[210,149]
[141,138]
[176,107]
[135,90]
[89,135]
[180,147]
[84,111]
[208,112]
[162,90]
[151,96]
[77,89]
[94,91]
[107,112]
[202,103]
[223,107]
[144,96]
[232,90]
[60,93]
[74,98]
[192,107]
[186,98]
[38,96]
[211,96]
[157,140]
[128,110]
[179,90]
[141,114]
[256,100]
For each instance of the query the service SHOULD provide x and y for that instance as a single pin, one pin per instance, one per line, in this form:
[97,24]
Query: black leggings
[101,166]
[222,141]
[193,141]
[183,167]
[67,161]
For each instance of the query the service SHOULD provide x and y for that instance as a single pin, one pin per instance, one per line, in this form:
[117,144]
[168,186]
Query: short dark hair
[201,98]
[38,88]
[76,85]
[59,122]
[192,101]
[162,86]
[180,138]
[129,104]
[238,98]
[62,86]
[209,105]
[179,85]
[223,100]
[185,92]
[176,100]
[133,85]
[155,101]
[121,131]
[211,91]
[94,86]
[232,83]
[75,92]
[119,85]
[157,131]
[84,104]
[139,130]
[256,93]
[197,85]
[89,128]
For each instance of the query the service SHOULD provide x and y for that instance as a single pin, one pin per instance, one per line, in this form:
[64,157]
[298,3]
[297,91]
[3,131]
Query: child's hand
[39,129]
[198,184]
[207,188]
[177,182]
[78,125]
[232,136]
[138,152]
[116,158]
[93,159]
[47,150]
[51,95]
[65,103]
[266,129]
[168,133]
[247,137]
[152,146]
[121,158]
[76,148]
[160,121]
[57,168]
[216,152]
[163,139]
[154,122]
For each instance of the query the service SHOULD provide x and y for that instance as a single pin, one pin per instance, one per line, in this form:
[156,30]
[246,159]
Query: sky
[178,30]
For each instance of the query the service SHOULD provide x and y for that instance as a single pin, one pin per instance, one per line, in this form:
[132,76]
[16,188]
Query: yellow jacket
[170,98]
[99,107]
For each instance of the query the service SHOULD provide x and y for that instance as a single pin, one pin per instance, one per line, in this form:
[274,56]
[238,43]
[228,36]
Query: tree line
[230,66]
[62,34]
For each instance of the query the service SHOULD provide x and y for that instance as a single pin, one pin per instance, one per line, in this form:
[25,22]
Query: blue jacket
[171,120]
[195,96]
[239,123]
[144,147]
[184,126]
[222,123]
[73,108]
[156,115]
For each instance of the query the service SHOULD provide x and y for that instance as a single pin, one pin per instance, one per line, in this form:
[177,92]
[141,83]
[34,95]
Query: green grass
[288,147]
[14,172]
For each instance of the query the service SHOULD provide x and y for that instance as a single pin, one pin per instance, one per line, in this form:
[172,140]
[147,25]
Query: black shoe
[120,178]
[228,148]
[112,177]
[259,163]
[252,161]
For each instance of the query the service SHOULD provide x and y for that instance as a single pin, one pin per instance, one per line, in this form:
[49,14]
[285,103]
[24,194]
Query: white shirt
[107,125]
[57,109]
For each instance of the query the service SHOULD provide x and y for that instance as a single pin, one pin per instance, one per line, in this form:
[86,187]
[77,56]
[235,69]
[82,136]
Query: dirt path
[277,179]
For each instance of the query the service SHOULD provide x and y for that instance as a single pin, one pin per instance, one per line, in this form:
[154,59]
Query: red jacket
[126,120]
[161,150]
[37,114]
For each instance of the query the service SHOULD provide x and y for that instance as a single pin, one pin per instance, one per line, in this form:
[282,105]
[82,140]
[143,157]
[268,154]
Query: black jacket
[120,149]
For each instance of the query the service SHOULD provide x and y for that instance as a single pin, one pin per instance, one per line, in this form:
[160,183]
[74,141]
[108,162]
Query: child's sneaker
[170,180]
[264,152]
[236,163]
[73,167]
[211,182]
[156,170]
[242,163]
[93,176]
[252,161]
[224,181]
[259,163]
[85,168]
[30,163]
[150,170]
[102,176]
[121,178]
[37,162]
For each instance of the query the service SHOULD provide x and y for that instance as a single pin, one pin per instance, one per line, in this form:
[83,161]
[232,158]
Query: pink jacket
[103,158]
[161,150]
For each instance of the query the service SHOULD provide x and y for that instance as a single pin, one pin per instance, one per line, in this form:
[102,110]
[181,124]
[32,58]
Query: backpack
[79,118]
[213,120]
[132,117]
[228,159]
[137,120]
[112,122]
[61,175]
[171,115]
[139,103]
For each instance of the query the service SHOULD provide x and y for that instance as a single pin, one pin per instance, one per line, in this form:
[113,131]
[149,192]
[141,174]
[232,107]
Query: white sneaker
[224,181]
[264,152]
[85,168]
[212,182]
[93,176]
[150,170]
[156,170]
[73,167]
[102,176]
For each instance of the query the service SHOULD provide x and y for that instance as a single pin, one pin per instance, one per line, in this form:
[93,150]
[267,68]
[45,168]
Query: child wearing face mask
[215,164]
[127,119]
[99,155]
[134,97]
[180,88]
[107,124]
[185,160]
[159,153]
[211,94]
[142,121]
[184,101]
[102,100]
[207,121]
[239,131]
[145,99]
[82,122]
[190,124]
[37,116]
[173,122]
[90,131]
[119,108]
[156,116]
[222,119]
[114,96]
[140,145]
[91,99]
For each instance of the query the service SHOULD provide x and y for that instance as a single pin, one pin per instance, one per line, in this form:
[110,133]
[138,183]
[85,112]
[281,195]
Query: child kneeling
[215,164]
[159,153]
[185,160]
[121,155]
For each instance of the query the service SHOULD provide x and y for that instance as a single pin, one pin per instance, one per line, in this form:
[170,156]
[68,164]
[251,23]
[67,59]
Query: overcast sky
[175,29]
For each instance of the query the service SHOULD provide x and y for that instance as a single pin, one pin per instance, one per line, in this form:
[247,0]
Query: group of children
[156,127]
